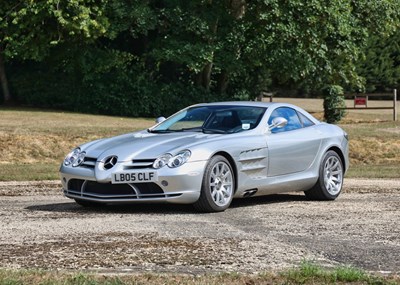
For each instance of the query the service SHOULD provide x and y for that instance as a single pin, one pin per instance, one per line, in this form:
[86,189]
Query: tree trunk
[207,76]
[222,83]
[3,80]
[238,8]
[207,69]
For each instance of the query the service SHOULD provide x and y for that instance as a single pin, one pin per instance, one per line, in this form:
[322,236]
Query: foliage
[30,28]
[311,273]
[333,100]
[107,56]
[105,81]
[381,65]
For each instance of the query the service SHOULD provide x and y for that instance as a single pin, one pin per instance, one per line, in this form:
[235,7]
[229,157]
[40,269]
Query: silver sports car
[208,154]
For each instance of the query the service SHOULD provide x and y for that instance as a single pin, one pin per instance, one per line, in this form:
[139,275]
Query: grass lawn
[34,142]
[307,274]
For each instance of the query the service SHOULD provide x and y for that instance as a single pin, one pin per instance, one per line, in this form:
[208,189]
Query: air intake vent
[140,164]
[89,162]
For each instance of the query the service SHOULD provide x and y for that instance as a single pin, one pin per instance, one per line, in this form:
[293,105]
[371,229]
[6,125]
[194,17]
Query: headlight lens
[75,157]
[162,161]
[179,159]
[346,136]
[172,161]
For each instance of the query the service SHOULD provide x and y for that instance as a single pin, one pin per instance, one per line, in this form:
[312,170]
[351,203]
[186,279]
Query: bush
[97,80]
[114,91]
[333,100]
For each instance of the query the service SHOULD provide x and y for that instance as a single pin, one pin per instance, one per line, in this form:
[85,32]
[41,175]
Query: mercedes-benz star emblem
[110,161]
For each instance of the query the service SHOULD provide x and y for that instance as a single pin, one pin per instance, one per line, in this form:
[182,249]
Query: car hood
[143,145]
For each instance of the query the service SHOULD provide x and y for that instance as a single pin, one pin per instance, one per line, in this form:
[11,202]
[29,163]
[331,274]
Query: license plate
[134,177]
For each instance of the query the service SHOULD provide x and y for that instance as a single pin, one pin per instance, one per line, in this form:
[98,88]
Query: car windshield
[222,119]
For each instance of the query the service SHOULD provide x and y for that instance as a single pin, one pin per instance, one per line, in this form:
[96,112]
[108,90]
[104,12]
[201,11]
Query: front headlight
[162,161]
[346,136]
[172,161]
[75,157]
[179,159]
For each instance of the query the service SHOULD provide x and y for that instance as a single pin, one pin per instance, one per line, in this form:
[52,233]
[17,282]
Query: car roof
[246,103]
[260,104]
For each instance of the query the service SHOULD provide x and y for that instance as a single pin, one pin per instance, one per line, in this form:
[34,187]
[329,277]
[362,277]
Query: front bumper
[174,185]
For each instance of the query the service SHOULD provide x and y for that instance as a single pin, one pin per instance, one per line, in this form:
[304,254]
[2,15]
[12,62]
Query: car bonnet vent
[140,164]
[89,162]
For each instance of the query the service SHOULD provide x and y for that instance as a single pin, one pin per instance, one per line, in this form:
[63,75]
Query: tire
[330,181]
[218,186]
[87,204]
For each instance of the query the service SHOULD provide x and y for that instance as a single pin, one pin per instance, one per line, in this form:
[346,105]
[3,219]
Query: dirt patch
[114,250]
[392,130]
[43,229]
[29,188]
[371,185]
[375,151]
[34,148]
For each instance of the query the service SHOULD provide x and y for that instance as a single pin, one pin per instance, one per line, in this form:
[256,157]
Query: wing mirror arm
[277,123]
[160,120]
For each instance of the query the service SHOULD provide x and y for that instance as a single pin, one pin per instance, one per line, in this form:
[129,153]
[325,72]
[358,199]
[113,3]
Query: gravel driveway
[42,229]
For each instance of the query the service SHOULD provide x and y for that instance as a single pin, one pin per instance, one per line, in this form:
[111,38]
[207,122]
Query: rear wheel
[330,181]
[218,186]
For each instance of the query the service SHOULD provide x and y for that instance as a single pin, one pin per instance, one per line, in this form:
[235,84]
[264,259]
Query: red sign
[360,101]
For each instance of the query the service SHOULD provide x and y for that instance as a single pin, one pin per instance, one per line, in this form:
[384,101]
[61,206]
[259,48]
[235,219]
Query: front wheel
[330,181]
[218,186]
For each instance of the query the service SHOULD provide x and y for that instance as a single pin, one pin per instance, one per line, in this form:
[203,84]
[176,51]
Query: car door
[292,148]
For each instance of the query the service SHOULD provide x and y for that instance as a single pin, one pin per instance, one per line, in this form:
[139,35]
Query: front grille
[140,164]
[75,184]
[107,188]
[89,162]
[149,188]
[86,188]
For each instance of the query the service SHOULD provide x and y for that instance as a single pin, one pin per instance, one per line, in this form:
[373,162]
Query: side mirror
[278,122]
[160,120]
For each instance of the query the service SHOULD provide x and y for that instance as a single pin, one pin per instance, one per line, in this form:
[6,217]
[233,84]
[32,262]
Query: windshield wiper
[213,131]
[195,129]
[159,131]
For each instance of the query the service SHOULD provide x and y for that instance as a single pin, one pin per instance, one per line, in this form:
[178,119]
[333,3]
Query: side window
[250,116]
[306,121]
[290,115]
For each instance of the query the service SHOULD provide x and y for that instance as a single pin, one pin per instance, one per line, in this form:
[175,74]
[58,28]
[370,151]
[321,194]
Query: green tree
[255,45]
[175,48]
[28,29]
[381,65]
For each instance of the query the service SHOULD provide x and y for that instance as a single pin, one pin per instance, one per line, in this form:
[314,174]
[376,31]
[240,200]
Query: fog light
[164,183]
